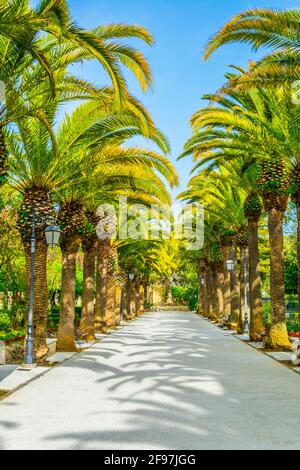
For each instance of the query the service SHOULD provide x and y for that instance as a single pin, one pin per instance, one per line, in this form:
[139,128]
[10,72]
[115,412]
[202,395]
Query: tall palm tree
[223,202]
[89,242]
[253,125]
[22,46]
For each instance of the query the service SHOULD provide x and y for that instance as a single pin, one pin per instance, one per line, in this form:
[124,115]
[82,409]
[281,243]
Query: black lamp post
[52,234]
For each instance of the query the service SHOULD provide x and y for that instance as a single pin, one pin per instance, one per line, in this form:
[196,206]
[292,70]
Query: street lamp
[230,265]
[52,235]
[202,281]
[131,274]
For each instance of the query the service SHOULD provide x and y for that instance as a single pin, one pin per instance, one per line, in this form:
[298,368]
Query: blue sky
[181,29]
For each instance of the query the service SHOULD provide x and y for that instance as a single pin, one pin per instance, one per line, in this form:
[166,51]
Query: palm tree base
[66,344]
[277,338]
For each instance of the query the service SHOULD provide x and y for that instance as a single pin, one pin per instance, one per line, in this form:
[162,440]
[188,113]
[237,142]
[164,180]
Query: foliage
[186,295]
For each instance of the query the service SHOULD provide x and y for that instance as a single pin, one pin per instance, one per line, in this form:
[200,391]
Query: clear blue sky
[181,29]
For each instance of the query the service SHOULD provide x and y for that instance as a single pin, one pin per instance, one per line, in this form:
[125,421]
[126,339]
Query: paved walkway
[166,381]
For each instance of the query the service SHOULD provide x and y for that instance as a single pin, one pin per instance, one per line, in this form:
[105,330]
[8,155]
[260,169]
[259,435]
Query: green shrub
[267,314]
[5,336]
[5,324]
[293,325]
[186,295]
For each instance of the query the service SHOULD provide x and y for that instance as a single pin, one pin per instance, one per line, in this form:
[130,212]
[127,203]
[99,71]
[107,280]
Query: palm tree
[223,201]
[89,247]
[252,125]
[21,48]
[39,170]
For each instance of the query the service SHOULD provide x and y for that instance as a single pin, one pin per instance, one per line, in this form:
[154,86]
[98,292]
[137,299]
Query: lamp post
[246,311]
[230,267]
[52,234]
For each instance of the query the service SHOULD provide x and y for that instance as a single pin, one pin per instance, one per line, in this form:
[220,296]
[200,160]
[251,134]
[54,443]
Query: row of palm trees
[246,147]
[64,168]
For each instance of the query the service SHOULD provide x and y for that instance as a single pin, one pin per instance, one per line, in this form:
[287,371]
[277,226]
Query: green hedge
[186,295]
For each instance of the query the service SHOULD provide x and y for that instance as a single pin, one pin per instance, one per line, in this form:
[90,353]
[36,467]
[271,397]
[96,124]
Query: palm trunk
[138,297]
[111,287]
[219,283]
[110,301]
[40,307]
[102,268]
[208,292]
[235,294]
[70,244]
[88,291]
[256,324]
[277,336]
[227,283]
[146,294]
[124,303]
[213,291]
[200,293]
[130,297]
[118,305]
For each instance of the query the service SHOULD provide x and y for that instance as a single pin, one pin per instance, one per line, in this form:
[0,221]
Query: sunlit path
[166,381]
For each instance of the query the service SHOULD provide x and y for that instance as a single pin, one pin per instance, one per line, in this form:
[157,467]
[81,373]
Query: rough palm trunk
[88,291]
[139,297]
[111,287]
[253,210]
[256,325]
[146,294]
[200,310]
[124,310]
[110,301]
[227,283]
[277,335]
[213,291]
[219,283]
[235,294]
[69,245]
[118,305]
[40,307]
[130,297]
[102,268]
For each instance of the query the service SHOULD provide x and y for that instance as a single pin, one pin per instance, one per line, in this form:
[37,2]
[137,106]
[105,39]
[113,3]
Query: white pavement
[166,381]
